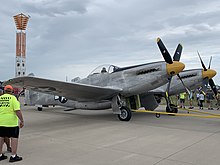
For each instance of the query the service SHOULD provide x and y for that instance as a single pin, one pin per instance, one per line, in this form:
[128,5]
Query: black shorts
[9,132]
[182,100]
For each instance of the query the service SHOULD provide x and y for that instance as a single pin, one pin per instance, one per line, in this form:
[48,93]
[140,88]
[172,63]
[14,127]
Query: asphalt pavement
[57,137]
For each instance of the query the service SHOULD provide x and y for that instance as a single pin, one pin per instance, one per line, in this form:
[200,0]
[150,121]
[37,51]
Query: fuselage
[191,78]
[132,80]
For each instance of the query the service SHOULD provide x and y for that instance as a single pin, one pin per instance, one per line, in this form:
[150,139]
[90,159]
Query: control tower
[21,21]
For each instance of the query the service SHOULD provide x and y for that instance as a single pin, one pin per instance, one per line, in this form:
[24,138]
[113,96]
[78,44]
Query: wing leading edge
[73,91]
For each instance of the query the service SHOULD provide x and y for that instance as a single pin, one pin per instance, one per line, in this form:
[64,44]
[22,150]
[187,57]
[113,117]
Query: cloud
[71,37]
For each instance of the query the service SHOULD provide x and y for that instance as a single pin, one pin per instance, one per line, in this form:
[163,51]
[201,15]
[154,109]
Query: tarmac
[57,137]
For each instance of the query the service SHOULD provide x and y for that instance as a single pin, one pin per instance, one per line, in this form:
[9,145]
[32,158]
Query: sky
[69,38]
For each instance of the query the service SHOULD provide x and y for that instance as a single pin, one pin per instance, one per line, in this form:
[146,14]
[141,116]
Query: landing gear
[125,114]
[39,108]
[172,109]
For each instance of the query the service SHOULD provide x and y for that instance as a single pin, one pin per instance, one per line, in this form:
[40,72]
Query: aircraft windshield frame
[105,68]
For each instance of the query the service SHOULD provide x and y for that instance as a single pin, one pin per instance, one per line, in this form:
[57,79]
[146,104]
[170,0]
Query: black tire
[173,109]
[39,108]
[125,114]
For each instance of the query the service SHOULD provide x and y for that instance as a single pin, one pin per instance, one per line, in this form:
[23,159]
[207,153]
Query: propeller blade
[188,91]
[210,62]
[167,93]
[203,65]
[212,85]
[178,53]
[172,108]
[164,51]
[168,86]
[205,83]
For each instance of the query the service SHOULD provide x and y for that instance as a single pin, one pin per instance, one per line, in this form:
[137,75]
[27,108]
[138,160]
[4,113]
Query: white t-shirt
[201,96]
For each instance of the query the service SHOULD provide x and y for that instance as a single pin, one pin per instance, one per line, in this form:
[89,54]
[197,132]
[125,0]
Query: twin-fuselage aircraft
[111,88]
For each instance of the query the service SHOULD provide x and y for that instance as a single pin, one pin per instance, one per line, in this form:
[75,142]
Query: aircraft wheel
[125,114]
[173,109]
[39,108]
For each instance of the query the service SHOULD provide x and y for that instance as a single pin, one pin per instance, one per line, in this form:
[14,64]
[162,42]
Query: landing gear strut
[125,114]
[172,109]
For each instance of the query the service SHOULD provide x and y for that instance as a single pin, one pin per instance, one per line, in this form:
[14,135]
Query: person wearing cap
[11,120]
[6,139]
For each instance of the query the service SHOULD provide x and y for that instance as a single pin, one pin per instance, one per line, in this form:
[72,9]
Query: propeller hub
[210,73]
[175,68]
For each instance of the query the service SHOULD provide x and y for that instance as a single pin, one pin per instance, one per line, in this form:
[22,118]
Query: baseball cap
[8,87]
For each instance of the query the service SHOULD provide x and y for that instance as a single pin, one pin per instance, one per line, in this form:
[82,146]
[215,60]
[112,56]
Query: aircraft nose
[175,68]
[209,73]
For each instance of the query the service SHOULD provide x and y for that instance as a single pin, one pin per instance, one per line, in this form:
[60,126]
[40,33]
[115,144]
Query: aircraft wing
[70,90]
[159,90]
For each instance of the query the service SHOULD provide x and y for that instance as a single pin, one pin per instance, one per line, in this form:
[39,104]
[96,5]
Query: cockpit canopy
[106,68]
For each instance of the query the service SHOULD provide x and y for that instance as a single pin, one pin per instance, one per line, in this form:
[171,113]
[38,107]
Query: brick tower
[21,21]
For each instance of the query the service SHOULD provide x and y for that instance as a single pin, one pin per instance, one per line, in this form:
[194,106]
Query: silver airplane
[185,81]
[193,79]
[109,88]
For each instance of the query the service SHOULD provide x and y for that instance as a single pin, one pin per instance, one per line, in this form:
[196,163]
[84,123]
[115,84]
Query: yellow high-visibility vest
[182,95]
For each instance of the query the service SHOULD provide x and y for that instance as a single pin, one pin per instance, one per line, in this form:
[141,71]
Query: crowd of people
[207,98]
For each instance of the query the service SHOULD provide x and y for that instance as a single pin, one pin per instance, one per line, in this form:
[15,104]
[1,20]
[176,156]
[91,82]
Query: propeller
[176,57]
[171,63]
[208,74]
[173,66]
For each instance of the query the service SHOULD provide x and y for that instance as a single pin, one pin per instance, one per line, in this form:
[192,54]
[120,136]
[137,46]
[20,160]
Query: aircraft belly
[38,98]
[85,105]
[93,105]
